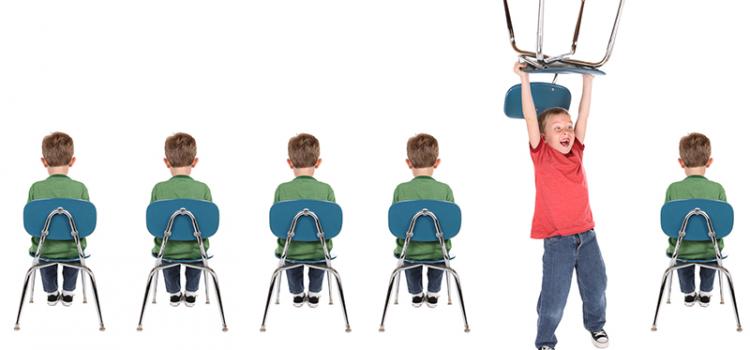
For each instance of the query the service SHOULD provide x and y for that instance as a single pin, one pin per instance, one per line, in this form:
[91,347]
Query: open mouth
[565,143]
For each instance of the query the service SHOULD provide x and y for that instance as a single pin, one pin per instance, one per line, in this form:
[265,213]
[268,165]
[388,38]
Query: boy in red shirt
[562,217]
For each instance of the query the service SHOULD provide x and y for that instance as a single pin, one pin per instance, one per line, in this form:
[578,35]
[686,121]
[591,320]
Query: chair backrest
[400,215]
[673,214]
[35,215]
[545,95]
[206,215]
[282,214]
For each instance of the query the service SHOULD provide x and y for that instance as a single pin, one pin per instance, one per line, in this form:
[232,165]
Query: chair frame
[405,264]
[39,262]
[676,264]
[324,265]
[201,264]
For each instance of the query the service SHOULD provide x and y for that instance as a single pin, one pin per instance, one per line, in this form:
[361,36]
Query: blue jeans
[686,275]
[414,280]
[296,279]
[49,278]
[562,255]
[172,279]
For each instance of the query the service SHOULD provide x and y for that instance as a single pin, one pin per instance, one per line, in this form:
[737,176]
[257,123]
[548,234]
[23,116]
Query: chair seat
[429,262]
[181,261]
[315,261]
[62,260]
[698,261]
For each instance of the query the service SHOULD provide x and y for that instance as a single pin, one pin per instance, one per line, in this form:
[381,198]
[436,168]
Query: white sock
[434,295]
[705,294]
[313,294]
[191,294]
[68,293]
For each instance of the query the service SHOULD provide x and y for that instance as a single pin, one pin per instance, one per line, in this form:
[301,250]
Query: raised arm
[527,103]
[584,108]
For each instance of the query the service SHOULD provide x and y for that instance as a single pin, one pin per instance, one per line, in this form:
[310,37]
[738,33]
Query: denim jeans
[49,278]
[296,280]
[414,280]
[562,255]
[172,279]
[686,275]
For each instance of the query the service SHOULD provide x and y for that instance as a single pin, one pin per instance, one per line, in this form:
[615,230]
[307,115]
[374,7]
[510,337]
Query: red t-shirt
[562,195]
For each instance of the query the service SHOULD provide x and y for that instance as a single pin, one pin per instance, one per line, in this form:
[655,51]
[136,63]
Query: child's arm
[584,107]
[527,104]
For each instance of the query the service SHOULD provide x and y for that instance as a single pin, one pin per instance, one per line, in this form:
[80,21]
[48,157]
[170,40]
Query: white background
[363,76]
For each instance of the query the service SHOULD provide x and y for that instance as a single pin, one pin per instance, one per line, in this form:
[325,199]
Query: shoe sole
[312,305]
[51,303]
[704,304]
[67,304]
[189,304]
[600,345]
[689,304]
[416,305]
[431,305]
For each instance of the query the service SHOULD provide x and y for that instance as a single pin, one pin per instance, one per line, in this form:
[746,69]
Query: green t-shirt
[422,187]
[180,187]
[303,187]
[691,187]
[57,186]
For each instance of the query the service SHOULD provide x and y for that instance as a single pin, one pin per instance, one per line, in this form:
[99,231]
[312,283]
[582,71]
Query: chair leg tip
[653,328]
[467,329]
[450,302]
[225,329]
[17,328]
[31,301]
[382,329]
[102,328]
[140,328]
[739,329]
[348,329]
[262,328]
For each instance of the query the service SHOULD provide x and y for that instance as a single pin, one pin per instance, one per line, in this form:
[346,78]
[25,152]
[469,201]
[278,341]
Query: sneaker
[600,339]
[690,299]
[298,299]
[545,347]
[175,299]
[704,299]
[67,298]
[417,300]
[52,298]
[313,299]
[190,298]
[432,300]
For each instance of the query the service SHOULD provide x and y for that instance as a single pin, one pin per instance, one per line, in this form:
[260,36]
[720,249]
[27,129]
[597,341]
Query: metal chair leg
[29,273]
[205,280]
[343,302]
[274,280]
[83,285]
[721,287]
[734,299]
[156,287]
[330,289]
[661,295]
[461,300]
[96,296]
[149,282]
[398,285]
[448,286]
[33,280]
[278,288]
[218,298]
[394,276]
[669,290]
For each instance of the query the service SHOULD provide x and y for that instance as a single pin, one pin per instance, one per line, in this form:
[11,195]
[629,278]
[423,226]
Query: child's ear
[437,162]
[317,163]
[682,162]
[291,165]
[709,162]
[72,161]
[44,162]
[166,162]
[409,164]
[195,161]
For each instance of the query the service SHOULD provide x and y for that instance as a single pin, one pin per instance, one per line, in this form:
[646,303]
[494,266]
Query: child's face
[559,133]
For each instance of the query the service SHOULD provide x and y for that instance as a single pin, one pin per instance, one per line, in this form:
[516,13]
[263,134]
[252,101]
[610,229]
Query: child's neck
[699,171]
[422,171]
[58,170]
[181,171]
[309,171]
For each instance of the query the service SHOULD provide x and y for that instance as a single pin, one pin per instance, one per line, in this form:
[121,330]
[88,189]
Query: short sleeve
[207,195]
[85,193]
[331,196]
[449,197]
[722,194]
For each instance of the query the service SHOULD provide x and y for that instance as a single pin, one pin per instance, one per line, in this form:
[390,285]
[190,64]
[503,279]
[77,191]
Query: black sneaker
[298,300]
[190,299]
[417,300]
[52,299]
[545,347]
[67,299]
[313,299]
[432,300]
[704,299]
[690,299]
[600,339]
[175,299]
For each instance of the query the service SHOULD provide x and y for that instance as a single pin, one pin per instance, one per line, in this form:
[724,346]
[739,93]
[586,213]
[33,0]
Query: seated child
[422,158]
[304,158]
[57,157]
[180,150]
[695,158]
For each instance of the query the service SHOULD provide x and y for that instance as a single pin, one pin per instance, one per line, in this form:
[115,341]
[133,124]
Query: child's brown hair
[304,150]
[180,150]
[422,150]
[695,150]
[542,118]
[57,149]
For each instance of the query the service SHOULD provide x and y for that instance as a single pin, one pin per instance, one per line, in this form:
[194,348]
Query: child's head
[304,152]
[557,129]
[179,152]
[57,151]
[422,152]
[695,151]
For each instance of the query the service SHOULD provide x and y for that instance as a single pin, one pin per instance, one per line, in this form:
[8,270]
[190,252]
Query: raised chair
[697,220]
[182,220]
[59,219]
[305,221]
[424,221]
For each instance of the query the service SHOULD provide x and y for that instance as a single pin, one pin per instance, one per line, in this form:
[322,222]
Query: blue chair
[545,96]
[59,219]
[305,221]
[424,221]
[697,220]
[178,220]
